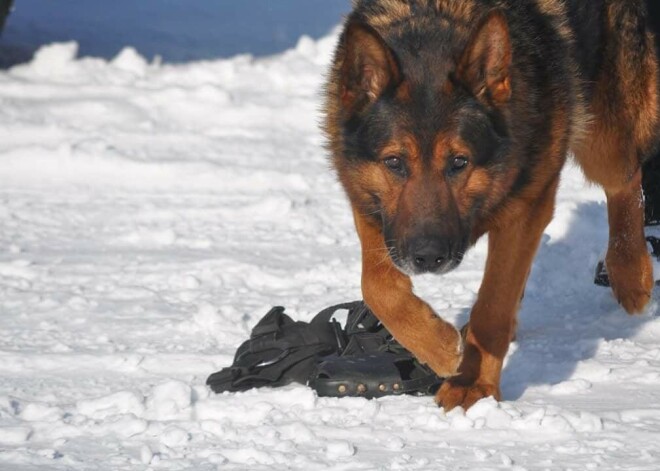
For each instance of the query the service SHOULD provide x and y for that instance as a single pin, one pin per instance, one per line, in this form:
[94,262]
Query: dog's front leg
[512,245]
[412,322]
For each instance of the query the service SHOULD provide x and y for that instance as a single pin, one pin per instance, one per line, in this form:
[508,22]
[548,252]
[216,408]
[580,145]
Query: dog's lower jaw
[405,268]
[408,268]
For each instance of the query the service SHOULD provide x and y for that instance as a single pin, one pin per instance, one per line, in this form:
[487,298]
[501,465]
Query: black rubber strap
[420,384]
[270,323]
[326,314]
[276,369]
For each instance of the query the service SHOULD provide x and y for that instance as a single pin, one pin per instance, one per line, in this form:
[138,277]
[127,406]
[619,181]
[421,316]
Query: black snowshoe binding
[372,365]
[361,359]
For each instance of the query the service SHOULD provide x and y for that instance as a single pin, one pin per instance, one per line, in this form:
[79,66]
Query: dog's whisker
[378,211]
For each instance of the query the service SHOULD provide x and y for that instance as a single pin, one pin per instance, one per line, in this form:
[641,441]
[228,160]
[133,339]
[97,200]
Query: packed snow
[151,214]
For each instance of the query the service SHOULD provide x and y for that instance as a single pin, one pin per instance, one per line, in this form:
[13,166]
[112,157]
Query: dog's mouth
[417,264]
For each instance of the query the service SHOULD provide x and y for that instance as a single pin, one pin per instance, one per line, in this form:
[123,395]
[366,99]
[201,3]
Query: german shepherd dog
[450,119]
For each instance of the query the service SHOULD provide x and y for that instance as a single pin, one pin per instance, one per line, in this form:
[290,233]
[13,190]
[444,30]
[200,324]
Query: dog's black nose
[429,255]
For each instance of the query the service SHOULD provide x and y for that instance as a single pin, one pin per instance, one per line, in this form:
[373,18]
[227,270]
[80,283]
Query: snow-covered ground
[151,214]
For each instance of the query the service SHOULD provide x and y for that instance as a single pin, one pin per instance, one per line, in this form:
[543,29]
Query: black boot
[651,171]
[651,186]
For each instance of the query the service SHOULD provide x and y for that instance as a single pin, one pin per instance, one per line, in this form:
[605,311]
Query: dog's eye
[459,162]
[395,164]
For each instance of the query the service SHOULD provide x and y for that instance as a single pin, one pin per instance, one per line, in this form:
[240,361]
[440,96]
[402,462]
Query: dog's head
[425,136]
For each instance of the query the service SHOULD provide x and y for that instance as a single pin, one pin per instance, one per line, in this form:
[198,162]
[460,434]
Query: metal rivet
[361,389]
[396,386]
[382,387]
[341,389]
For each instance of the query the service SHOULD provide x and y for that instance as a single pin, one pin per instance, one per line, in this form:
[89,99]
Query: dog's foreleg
[412,322]
[512,244]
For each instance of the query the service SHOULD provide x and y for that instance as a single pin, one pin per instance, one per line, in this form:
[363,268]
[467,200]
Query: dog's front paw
[444,350]
[445,363]
[632,281]
[452,394]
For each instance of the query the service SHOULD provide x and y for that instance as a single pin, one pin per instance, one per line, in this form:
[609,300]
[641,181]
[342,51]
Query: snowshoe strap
[326,314]
[364,342]
[280,351]
[421,384]
[357,310]
[271,323]
[361,319]
[272,371]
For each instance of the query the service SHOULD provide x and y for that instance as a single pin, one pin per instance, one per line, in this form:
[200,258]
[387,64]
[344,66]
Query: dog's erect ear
[369,67]
[486,63]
